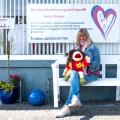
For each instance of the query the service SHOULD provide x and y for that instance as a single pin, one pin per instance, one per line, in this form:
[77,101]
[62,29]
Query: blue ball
[36,97]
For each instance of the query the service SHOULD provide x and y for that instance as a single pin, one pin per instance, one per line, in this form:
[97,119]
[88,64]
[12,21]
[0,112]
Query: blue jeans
[75,84]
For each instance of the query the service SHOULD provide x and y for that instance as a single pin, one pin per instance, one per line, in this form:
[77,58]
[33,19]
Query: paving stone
[25,111]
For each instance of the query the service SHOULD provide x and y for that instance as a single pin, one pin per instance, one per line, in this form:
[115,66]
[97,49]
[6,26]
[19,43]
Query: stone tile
[25,111]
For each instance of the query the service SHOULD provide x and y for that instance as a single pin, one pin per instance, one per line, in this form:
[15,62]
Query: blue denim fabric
[75,85]
[93,52]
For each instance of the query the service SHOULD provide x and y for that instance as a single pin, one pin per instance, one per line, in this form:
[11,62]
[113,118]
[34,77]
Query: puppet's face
[77,56]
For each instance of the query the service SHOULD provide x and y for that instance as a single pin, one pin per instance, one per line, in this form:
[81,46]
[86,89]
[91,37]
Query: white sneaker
[65,111]
[75,102]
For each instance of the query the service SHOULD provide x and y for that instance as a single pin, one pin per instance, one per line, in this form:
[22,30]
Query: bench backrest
[106,61]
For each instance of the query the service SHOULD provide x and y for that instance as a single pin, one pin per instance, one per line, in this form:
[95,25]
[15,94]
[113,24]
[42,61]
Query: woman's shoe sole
[61,116]
[74,106]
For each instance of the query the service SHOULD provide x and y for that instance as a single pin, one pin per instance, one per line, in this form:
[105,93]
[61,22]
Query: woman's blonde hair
[83,31]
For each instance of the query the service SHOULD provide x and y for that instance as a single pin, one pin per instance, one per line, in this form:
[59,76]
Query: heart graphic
[103,19]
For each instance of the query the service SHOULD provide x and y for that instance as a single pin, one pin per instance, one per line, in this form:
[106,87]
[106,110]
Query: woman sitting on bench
[85,44]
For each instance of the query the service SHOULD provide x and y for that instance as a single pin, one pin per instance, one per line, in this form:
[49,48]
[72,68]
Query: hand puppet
[76,61]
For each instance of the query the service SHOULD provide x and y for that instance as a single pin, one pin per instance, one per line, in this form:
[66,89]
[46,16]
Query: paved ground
[24,111]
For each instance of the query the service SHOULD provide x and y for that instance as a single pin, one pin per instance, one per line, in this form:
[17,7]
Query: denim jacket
[93,52]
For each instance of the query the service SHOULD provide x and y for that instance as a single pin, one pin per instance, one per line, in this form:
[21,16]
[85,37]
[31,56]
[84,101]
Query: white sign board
[58,23]
[7,23]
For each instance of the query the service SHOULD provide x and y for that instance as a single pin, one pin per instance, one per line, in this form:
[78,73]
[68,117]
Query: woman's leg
[74,91]
[75,86]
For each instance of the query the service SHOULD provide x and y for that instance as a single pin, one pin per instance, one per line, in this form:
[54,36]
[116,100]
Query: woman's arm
[93,52]
[96,58]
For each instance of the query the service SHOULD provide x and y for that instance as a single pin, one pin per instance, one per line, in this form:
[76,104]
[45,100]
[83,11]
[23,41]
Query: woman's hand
[87,59]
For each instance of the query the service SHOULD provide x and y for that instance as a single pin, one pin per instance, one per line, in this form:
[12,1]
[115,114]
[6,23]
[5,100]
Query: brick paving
[90,111]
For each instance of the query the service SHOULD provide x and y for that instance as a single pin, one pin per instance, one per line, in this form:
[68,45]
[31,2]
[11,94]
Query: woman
[85,44]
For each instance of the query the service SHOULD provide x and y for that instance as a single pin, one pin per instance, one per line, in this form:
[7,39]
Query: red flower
[14,77]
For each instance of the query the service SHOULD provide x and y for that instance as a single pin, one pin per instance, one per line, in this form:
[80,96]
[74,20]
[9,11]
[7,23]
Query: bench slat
[99,82]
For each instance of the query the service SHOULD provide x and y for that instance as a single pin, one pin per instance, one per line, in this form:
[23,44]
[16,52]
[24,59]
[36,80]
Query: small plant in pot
[6,86]
[9,91]
[6,92]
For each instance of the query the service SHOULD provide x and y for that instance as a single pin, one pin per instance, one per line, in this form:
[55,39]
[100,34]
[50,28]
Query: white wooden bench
[103,81]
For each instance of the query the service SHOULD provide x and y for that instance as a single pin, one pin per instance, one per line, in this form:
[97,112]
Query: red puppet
[76,61]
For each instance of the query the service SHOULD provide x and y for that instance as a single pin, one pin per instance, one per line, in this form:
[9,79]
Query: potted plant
[9,91]
[6,86]
[15,81]
[6,92]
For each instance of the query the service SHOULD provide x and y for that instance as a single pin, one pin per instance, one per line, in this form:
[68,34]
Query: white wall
[13,8]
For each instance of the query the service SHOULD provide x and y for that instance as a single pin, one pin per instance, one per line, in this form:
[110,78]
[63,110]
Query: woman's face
[82,38]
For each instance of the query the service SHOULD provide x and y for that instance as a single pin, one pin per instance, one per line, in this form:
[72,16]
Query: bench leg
[20,96]
[58,93]
[55,83]
[55,97]
[55,92]
[118,93]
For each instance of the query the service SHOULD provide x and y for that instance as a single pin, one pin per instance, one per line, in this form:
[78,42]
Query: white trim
[32,57]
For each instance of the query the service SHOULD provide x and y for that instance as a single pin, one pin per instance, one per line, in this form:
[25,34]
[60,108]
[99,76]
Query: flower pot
[9,98]
[0,92]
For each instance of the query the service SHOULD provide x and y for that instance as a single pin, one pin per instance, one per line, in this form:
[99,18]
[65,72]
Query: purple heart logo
[103,19]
